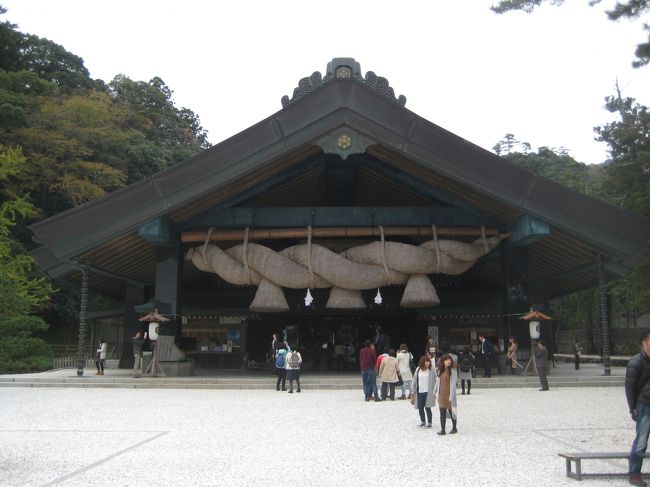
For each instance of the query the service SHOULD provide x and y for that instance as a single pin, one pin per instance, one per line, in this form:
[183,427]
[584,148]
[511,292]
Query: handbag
[399,380]
[508,361]
[413,398]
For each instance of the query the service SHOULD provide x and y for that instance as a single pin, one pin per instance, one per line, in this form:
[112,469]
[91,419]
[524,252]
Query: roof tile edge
[342,68]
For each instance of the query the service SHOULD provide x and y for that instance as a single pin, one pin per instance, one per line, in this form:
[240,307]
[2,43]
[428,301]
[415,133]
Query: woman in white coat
[424,381]
[404,358]
[101,356]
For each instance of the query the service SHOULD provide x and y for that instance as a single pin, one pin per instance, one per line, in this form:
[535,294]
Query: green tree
[554,164]
[628,182]
[52,62]
[628,186]
[47,59]
[168,134]
[630,9]
[10,41]
[21,292]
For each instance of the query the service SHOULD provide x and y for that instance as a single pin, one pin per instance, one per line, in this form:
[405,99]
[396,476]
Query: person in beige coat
[389,374]
[511,357]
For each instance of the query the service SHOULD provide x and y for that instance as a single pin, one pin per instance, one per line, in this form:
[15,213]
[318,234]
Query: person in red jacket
[367,360]
[379,359]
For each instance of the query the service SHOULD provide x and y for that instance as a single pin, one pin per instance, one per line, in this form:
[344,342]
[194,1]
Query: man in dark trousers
[486,352]
[138,343]
[637,393]
[541,360]
[577,352]
[367,359]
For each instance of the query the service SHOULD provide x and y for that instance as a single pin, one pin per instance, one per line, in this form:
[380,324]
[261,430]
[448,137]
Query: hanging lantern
[534,329]
[308,298]
[378,299]
[534,326]
[154,320]
[154,330]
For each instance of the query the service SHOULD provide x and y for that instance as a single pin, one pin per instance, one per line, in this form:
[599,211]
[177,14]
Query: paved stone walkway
[172,437]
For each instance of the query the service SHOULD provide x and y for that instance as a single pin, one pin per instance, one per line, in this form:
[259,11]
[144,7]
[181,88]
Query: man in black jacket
[541,361]
[637,392]
[486,351]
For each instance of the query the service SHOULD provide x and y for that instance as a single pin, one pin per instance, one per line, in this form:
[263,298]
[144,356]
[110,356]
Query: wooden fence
[70,362]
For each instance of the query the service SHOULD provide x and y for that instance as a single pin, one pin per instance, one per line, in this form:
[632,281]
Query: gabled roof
[313,124]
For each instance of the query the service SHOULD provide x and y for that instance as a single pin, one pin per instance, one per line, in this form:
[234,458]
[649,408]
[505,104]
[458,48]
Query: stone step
[269,382]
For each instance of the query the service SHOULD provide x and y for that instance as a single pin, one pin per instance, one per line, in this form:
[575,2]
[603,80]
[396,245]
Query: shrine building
[340,218]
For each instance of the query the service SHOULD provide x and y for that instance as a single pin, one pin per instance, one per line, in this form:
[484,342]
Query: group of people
[541,360]
[426,384]
[138,345]
[286,365]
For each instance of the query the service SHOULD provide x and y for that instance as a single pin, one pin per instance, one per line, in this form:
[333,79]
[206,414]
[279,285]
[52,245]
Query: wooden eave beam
[195,236]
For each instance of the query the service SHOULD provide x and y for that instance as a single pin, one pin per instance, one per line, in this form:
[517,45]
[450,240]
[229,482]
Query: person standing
[404,359]
[101,356]
[380,357]
[367,359]
[138,344]
[281,368]
[486,351]
[277,344]
[577,352]
[430,349]
[389,375]
[350,356]
[511,357]
[274,346]
[465,364]
[637,393]
[445,392]
[293,361]
[339,356]
[541,359]
[424,382]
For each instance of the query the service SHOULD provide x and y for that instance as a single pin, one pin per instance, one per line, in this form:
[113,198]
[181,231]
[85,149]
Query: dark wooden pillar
[136,294]
[604,317]
[169,266]
[516,293]
[83,314]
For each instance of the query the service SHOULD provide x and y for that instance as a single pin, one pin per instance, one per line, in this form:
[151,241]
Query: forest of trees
[623,181]
[66,138]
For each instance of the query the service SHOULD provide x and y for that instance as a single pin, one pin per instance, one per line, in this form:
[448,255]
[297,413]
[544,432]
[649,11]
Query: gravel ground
[125,437]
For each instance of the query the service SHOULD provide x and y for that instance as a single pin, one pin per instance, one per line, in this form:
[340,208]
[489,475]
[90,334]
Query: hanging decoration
[308,298]
[364,267]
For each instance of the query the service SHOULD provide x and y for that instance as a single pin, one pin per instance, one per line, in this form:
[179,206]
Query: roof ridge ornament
[342,68]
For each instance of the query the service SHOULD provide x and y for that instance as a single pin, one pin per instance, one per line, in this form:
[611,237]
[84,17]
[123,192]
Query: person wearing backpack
[293,361]
[465,364]
[280,366]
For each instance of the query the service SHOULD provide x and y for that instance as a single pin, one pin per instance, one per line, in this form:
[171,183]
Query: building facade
[340,218]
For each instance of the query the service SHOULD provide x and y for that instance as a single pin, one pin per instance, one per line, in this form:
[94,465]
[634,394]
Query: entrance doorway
[332,343]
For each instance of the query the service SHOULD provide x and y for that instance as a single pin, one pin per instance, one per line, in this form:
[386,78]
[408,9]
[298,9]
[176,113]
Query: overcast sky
[540,76]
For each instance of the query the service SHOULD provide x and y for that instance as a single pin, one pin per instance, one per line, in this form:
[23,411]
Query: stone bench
[577,458]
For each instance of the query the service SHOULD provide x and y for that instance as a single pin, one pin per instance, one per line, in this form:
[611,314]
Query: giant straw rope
[364,267]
